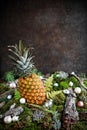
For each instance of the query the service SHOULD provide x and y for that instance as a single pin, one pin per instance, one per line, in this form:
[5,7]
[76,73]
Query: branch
[4,95]
[80,81]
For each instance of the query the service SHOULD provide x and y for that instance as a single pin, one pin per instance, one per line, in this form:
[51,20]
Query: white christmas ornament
[12,85]
[56,84]
[77,90]
[41,77]
[9,96]
[66,91]
[22,101]
[46,104]
[70,83]
[7,119]
[50,102]
[72,73]
[15,118]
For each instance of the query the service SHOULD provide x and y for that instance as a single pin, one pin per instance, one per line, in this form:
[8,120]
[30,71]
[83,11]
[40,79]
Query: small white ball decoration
[77,90]
[22,101]
[70,83]
[41,77]
[7,119]
[66,91]
[50,102]
[15,118]
[46,104]
[58,75]
[56,84]
[12,85]
[72,73]
[9,96]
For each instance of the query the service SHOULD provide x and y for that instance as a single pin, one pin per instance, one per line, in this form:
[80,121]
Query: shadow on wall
[56,30]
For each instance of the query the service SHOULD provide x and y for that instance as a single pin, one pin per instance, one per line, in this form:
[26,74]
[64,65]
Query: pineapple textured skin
[32,89]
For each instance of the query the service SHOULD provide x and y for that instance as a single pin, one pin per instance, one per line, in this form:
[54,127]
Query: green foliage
[17,95]
[48,83]
[75,81]
[85,82]
[61,81]
[46,117]
[59,99]
[61,78]
[7,105]
[9,76]
[57,122]
[81,125]
[36,71]
[3,88]
[64,84]
[26,116]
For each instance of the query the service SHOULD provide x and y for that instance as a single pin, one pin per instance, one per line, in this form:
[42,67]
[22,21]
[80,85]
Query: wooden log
[70,114]
[5,94]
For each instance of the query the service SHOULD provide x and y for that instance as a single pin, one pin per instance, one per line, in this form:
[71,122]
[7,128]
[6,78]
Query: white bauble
[70,83]
[56,84]
[41,77]
[50,102]
[77,90]
[22,101]
[66,91]
[72,73]
[15,118]
[7,119]
[9,96]
[46,104]
[12,85]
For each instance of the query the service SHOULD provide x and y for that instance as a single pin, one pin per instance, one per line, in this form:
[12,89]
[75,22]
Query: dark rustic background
[55,28]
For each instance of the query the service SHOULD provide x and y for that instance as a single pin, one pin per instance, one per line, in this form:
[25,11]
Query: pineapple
[30,85]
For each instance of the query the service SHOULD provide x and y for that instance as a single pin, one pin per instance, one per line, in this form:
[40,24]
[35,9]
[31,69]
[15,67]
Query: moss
[59,99]
[7,105]
[81,125]
[3,88]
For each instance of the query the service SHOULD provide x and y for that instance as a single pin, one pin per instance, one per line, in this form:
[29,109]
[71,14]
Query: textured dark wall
[55,28]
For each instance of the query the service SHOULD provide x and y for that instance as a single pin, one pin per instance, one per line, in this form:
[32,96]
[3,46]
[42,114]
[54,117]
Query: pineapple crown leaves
[22,59]
[19,51]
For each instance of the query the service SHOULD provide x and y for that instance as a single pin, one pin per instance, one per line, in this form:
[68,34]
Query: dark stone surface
[55,28]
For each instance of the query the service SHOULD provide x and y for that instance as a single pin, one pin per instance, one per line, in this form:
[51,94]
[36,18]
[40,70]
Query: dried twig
[80,80]
[4,95]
